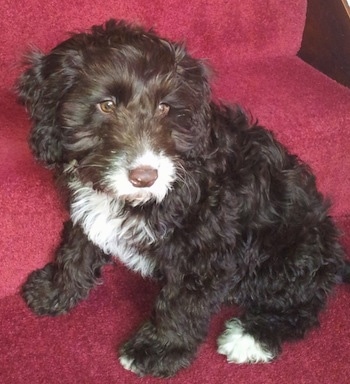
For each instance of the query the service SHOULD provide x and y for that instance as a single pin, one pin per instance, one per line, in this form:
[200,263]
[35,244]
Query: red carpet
[252,45]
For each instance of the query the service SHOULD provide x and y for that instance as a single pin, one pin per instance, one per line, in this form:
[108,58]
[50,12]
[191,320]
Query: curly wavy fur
[178,188]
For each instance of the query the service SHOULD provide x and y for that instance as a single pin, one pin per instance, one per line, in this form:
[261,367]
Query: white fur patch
[240,347]
[103,221]
[127,362]
[118,181]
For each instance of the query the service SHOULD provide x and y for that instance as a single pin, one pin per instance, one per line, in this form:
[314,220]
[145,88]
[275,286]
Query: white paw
[240,347]
[127,363]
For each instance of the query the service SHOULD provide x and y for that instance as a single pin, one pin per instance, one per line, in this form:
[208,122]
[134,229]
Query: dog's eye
[162,109]
[107,106]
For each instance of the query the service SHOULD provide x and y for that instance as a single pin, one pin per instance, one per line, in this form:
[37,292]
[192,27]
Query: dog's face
[126,107]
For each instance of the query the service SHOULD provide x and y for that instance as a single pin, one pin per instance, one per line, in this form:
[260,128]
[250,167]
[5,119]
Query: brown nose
[142,177]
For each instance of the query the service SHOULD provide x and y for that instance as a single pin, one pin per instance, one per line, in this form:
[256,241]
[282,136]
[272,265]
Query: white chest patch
[108,227]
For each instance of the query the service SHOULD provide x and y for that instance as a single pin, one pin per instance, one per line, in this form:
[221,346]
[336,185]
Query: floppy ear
[195,73]
[196,95]
[40,88]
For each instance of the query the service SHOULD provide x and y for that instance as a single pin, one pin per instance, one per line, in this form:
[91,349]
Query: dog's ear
[196,73]
[40,88]
[195,95]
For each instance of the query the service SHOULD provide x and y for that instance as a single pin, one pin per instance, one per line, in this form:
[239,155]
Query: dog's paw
[42,295]
[240,347]
[143,359]
[146,354]
[128,363]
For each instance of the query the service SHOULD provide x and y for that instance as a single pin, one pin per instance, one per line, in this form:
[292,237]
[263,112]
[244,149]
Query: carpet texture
[252,47]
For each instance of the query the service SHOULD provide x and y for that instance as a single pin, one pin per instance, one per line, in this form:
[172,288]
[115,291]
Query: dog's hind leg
[60,285]
[258,337]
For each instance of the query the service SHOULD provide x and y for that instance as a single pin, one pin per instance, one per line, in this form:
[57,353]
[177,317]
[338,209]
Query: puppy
[177,188]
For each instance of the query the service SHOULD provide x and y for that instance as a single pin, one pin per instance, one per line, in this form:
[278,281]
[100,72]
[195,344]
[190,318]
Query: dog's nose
[142,177]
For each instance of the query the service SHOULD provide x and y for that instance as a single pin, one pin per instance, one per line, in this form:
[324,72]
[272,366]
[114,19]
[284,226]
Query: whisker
[91,166]
[185,177]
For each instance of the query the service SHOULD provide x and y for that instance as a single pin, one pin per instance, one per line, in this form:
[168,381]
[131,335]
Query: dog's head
[121,103]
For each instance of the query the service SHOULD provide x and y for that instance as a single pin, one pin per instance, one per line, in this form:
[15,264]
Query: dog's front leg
[169,340]
[60,285]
